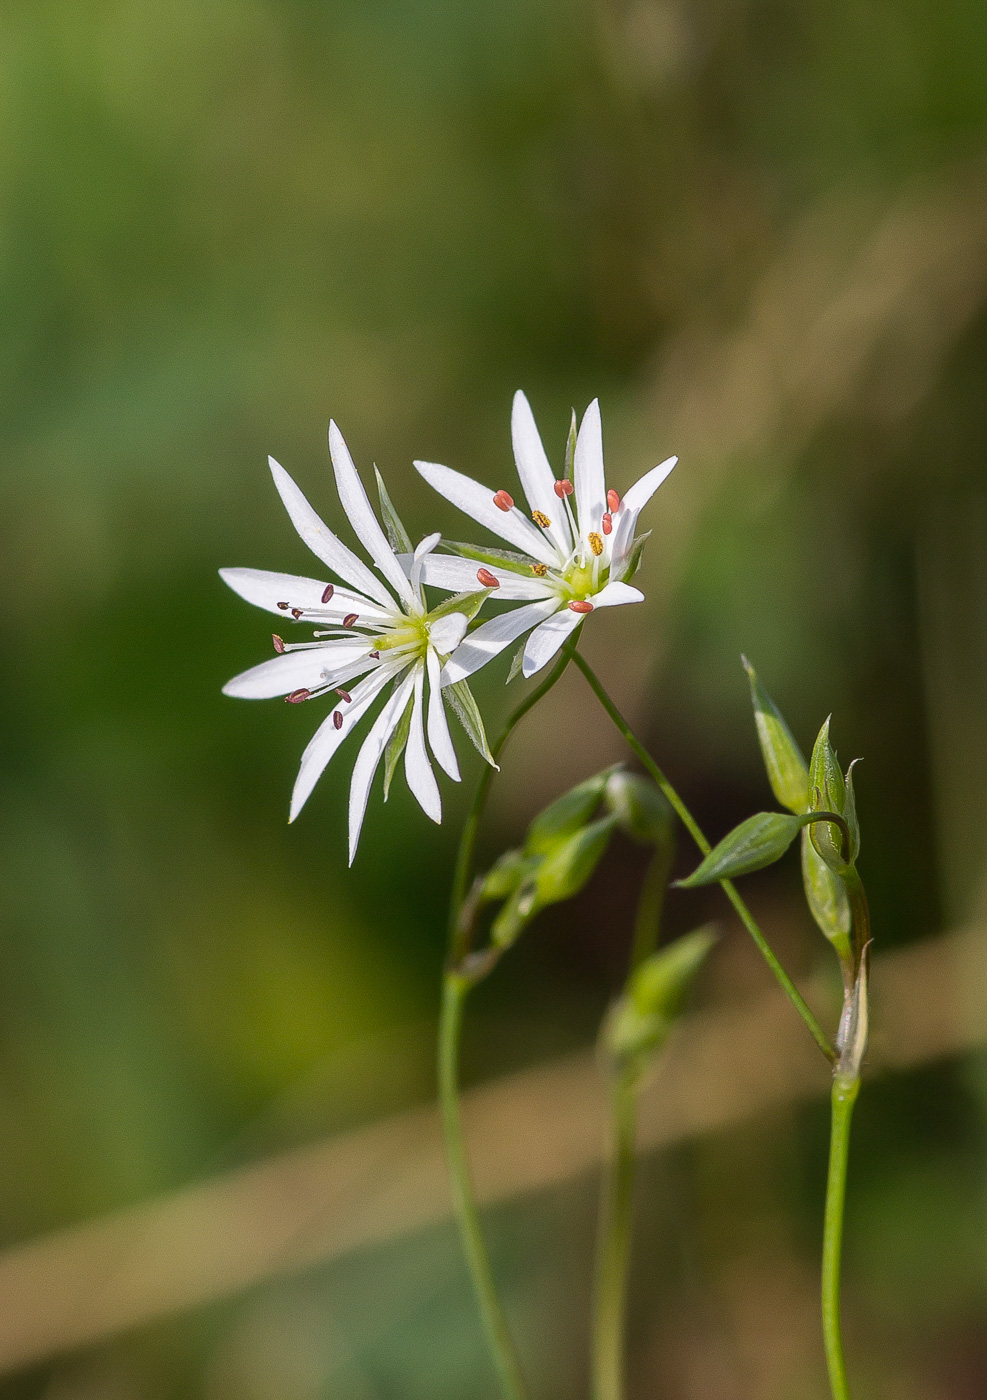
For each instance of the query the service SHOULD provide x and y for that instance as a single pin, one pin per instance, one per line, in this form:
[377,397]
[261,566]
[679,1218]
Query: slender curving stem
[695,831]
[455,990]
[843,1099]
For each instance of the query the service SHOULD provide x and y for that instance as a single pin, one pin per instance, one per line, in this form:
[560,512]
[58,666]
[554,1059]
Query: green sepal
[517,912]
[465,708]
[633,560]
[827,898]
[469,604]
[850,813]
[783,759]
[755,843]
[489,554]
[642,810]
[570,447]
[827,793]
[567,866]
[566,815]
[396,743]
[398,536]
[638,1024]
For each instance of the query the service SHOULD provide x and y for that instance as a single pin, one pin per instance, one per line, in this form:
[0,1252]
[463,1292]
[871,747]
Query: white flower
[572,561]
[368,633]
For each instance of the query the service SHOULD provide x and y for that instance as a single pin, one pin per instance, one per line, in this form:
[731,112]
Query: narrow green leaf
[489,554]
[398,536]
[783,759]
[826,897]
[464,707]
[755,843]
[395,745]
[563,817]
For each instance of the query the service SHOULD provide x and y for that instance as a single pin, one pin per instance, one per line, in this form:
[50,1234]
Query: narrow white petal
[591,490]
[371,751]
[438,726]
[490,640]
[323,543]
[445,633]
[327,738]
[477,501]
[270,590]
[630,507]
[361,516]
[295,670]
[421,553]
[535,472]
[417,769]
[459,576]
[614,594]
[546,640]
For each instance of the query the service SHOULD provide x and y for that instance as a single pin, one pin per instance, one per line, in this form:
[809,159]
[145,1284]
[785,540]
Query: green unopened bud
[642,810]
[827,898]
[563,817]
[639,1023]
[569,864]
[504,877]
[827,793]
[755,843]
[517,912]
[783,760]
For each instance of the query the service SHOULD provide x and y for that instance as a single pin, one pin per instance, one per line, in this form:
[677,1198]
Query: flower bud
[786,767]
[639,1023]
[642,810]
[564,816]
[504,877]
[566,868]
[828,794]
[826,897]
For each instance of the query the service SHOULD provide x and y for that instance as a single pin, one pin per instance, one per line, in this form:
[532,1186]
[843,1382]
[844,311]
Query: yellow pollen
[595,543]
[539,570]
[540,518]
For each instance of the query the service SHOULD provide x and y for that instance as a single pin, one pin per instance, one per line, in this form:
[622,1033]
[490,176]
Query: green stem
[455,989]
[613,1251]
[844,1097]
[694,830]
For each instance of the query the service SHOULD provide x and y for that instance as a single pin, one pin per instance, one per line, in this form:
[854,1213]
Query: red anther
[296,613]
[375,655]
[580,607]
[607,523]
[284,606]
[503,501]
[278,643]
[613,500]
[349,619]
[344,695]
[297,696]
[337,720]
[563,488]
[327,592]
[488,579]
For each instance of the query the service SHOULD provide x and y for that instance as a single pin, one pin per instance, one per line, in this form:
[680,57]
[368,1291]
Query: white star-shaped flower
[369,633]
[572,560]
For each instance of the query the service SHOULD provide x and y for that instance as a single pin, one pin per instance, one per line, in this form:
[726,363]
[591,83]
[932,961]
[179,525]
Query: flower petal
[357,506]
[421,554]
[591,489]
[445,633]
[546,640]
[536,474]
[371,751]
[270,590]
[438,726]
[477,501]
[490,640]
[417,769]
[323,543]
[614,594]
[630,507]
[460,576]
[295,670]
[327,738]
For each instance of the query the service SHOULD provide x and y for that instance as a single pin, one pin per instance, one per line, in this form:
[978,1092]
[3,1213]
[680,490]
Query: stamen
[539,570]
[327,593]
[540,518]
[297,696]
[344,694]
[488,579]
[284,606]
[595,543]
[607,523]
[337,720]
[580,607]
[296,613]
[563,488]
[613,500]
[503,501]
[278,643]
[349,619]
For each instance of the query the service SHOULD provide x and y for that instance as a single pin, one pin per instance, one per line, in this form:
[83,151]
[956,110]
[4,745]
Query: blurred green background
[758,231]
